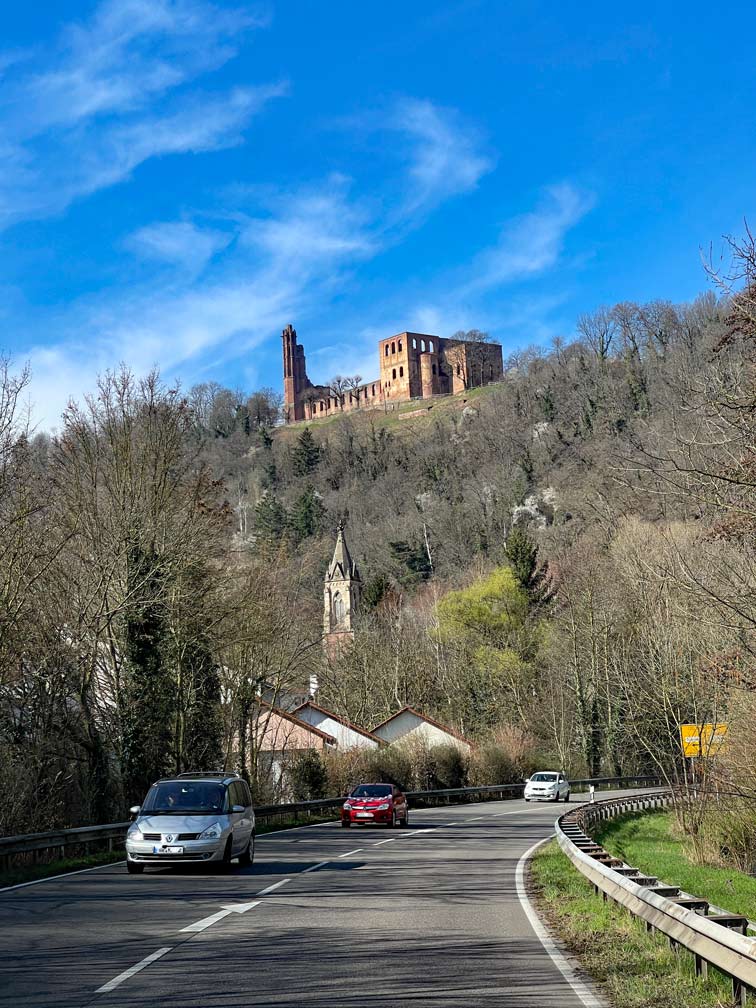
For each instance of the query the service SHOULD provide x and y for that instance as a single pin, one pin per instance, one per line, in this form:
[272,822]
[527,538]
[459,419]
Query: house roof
[341,720]
[430,720]
[287,716]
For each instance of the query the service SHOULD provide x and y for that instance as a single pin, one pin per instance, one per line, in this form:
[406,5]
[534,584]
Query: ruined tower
[295,375]
[341,597]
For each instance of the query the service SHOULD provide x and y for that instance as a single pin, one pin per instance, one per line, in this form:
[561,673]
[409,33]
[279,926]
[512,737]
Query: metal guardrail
[715,940]
[112,834]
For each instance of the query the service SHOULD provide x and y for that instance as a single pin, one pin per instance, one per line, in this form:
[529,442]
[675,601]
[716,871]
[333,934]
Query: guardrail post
[739,992]
[702,967]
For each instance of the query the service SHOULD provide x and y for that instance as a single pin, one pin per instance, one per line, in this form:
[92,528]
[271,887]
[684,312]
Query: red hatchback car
[375,803]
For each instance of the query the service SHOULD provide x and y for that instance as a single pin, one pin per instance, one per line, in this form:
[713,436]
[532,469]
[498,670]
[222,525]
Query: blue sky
[181,179]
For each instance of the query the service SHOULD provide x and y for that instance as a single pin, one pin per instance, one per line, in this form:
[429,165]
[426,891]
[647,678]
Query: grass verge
[652,843]
[30,873]
[634,969]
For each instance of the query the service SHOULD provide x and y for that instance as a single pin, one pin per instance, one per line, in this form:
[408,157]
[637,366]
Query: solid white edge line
[587,997]
[116,981]
[270,888]
[355,851]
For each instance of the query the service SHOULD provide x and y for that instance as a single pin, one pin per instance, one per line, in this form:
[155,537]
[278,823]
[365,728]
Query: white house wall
[346,738]
[409,726]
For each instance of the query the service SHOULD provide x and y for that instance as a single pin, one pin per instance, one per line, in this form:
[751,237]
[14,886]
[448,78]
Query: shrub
[307,776]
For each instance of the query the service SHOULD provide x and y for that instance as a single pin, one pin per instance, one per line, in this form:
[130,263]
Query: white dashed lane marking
[116,981]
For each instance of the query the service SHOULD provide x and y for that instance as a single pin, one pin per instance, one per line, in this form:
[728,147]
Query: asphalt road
[427,916]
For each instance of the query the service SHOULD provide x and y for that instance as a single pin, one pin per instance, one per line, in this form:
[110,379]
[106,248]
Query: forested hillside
[561,566]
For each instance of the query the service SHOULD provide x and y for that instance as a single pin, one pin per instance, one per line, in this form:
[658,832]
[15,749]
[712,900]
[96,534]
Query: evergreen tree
[306,454]
[270,519]
[202,748]
[148,688]
[415,561]
[522,554]
[374,591]
[308,515]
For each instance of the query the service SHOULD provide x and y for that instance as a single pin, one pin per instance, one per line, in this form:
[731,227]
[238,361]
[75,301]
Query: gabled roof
[342,567]
[424,717]
[287,716]
[341,720]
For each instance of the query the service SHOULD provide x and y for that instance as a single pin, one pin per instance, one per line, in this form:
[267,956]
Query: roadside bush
[448,767]
[307,776]
[390,765]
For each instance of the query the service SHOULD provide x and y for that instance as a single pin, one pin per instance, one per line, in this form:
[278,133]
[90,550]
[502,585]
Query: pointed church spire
[342,566]
[341,596]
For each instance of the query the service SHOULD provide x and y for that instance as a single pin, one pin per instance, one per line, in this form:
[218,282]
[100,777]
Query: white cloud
[178,243]
[279,265]
[444,153]
[531,243]
[112,95]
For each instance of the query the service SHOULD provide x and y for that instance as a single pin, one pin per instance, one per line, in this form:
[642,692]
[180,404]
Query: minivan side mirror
[238,808]
[134,810]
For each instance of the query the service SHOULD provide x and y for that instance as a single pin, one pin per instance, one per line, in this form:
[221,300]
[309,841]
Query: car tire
[247,856]
[566,797]
[226,859]
[392,822]
[405,821]
[345,824]
[133,868]
[527,799]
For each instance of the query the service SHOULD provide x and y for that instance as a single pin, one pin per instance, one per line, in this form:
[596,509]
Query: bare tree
[599,330]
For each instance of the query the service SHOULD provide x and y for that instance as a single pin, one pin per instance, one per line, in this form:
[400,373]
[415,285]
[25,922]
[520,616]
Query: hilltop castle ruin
[412,366]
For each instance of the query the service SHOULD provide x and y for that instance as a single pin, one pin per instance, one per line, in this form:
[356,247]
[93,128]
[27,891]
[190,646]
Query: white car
[547,785]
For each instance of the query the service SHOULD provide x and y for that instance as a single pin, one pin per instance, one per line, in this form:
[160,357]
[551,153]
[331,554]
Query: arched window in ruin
[393,373]
[414,344]
[434,369]
[400,346]
[422,346]
[401,372]
[393,348]
[387,349]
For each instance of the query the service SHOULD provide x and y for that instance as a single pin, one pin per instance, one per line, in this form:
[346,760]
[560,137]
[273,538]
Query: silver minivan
[192,818]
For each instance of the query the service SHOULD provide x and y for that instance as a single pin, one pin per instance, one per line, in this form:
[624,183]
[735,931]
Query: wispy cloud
[181,244]
[276,265]
[444,153]
[113,93]
[531,243]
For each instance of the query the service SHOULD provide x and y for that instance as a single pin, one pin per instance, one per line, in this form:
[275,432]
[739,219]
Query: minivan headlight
[347,805]
[134,834]
[384,806]
[212,832]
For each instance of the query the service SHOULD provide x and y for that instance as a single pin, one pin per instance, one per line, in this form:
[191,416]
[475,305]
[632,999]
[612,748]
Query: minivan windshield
[185,797]
[371,791]
[544,777]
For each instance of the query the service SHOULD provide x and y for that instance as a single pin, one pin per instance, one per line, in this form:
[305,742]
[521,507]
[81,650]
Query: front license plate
[167,850]
[364,815]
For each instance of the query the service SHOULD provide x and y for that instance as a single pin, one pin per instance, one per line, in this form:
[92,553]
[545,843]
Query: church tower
[341,597]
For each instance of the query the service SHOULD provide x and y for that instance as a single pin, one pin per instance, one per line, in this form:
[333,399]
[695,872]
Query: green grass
[652,843]
[393,418]
[30,873]
[633,969]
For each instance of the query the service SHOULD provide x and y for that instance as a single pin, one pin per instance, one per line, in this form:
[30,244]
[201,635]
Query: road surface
[427,916]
